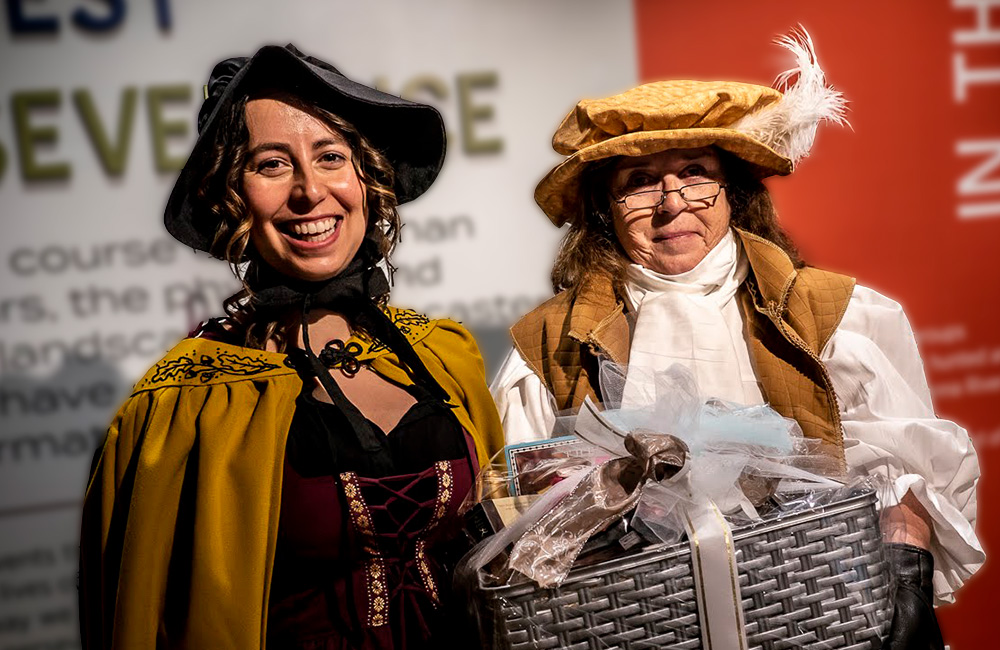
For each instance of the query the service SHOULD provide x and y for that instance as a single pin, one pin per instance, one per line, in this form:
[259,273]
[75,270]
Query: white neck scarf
[693,319]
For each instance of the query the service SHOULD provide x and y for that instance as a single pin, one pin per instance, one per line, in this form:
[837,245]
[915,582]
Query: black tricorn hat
[409,134]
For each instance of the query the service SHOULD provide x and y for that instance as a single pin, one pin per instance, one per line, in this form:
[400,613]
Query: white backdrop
[92,290]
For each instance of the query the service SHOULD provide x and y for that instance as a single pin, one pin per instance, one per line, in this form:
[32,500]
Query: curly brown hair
[220,194]
[590,246]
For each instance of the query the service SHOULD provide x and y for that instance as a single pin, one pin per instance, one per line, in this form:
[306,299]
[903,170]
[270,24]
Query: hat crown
[660,106]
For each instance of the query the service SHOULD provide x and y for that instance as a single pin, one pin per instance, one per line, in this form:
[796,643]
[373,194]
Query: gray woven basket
[814,579]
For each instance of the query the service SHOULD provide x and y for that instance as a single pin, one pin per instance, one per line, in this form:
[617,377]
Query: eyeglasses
[692,193]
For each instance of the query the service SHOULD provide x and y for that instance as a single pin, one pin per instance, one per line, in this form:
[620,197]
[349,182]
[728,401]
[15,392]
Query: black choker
[355,293]
[361,281]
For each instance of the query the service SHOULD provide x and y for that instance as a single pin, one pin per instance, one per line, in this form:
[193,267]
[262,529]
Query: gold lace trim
[375,572]
[446,484]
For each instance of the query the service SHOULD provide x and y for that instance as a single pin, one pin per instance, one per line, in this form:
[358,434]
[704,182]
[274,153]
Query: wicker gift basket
[812,579]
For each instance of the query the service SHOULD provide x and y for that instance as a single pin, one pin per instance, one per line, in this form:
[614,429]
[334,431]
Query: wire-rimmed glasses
[693,193]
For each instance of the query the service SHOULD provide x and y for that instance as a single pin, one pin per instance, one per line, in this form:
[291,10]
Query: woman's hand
[907,523]
[907,529]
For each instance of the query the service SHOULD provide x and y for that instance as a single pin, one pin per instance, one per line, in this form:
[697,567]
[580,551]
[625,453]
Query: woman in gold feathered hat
[674,254]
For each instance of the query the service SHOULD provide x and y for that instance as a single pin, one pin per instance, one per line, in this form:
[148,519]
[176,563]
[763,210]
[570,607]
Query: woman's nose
[672,202]
[308,188]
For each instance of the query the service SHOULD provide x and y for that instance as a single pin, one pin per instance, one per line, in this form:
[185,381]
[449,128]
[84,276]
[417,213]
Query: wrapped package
[750,538]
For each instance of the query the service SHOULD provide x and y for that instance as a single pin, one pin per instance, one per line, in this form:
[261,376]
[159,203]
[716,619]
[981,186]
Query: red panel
[880,201]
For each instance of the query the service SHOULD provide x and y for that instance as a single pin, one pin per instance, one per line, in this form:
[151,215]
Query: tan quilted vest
[789,316]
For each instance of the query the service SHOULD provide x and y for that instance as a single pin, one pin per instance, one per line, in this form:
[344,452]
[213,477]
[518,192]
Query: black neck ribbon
[354,293]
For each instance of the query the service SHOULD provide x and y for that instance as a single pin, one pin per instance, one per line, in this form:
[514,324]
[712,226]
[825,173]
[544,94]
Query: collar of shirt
[716,277]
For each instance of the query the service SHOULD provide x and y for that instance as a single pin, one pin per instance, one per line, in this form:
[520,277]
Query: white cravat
[693,319]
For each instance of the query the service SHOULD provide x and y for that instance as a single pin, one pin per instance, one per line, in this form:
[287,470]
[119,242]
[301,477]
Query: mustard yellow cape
[181,515]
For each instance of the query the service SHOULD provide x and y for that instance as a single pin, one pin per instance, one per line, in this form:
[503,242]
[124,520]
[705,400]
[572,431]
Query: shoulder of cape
[204,362]
[413,325]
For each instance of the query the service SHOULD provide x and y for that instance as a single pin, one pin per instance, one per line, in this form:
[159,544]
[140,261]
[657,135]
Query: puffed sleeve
[527,408]
[891,430]
[452,356]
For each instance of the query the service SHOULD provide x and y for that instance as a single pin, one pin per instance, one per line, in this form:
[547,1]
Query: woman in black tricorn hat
[291,473]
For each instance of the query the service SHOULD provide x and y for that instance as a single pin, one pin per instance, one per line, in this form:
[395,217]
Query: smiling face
[302,190]
[674,236]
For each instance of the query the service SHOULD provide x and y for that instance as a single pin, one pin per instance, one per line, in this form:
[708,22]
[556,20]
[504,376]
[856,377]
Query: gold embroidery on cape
[206,367]
[410,323]
[375,571]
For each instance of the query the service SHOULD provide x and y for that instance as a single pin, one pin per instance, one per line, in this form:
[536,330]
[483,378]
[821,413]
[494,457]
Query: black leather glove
[914,625]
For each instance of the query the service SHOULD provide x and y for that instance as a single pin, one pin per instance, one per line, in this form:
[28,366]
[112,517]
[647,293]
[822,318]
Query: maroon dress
[367,536]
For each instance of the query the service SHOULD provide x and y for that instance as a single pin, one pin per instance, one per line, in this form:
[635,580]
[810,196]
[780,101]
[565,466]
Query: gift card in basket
[534,467]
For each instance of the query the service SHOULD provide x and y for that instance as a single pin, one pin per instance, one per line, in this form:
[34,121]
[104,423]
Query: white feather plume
[789,125]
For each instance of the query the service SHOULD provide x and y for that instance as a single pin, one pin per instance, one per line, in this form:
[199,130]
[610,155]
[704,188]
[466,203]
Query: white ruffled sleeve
[891,430]
[526,407]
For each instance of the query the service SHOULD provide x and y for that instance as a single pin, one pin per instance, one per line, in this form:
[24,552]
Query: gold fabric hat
[765,127]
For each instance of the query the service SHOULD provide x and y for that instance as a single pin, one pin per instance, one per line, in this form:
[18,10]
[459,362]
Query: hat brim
[409,134]
[559,194]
